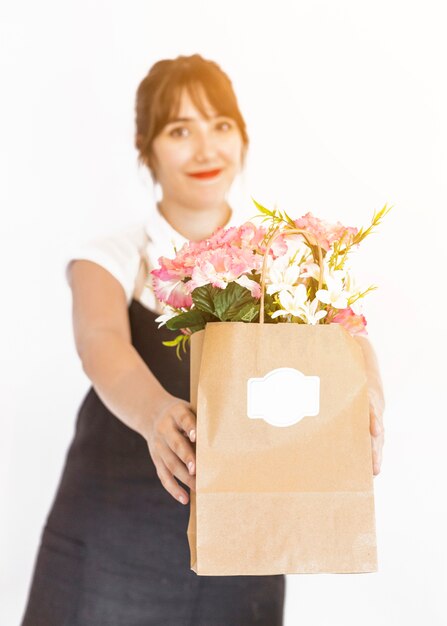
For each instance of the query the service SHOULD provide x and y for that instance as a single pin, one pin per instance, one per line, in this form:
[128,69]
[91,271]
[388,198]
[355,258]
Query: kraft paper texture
[280,500]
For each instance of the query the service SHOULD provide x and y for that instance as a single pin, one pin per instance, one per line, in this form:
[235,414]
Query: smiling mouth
[208,174]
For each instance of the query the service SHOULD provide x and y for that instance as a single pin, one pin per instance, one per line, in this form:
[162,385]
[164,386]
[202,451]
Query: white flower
[296,245]
[297,304]
[310,270]
[292,301]
[164,317]
[280,275]
[351,286]
[309,314]
[335,294]
[351,290]
[249,284]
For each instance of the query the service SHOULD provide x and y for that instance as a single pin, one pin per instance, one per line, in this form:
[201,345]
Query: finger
[378,433]
[176,467]
[376,425]
[376,455]
[170,484]
[372,419]
[375,465]
[182,448]
[185,420]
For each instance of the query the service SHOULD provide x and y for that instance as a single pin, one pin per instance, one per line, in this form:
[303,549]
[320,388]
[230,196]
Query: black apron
[114,549]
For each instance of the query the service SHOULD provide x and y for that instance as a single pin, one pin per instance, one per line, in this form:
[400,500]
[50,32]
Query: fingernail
[182,499]
[192,435]
[191,467]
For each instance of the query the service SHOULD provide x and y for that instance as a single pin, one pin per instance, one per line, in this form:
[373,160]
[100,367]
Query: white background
[345,105]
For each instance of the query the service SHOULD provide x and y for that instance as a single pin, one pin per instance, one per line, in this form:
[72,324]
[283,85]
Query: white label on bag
[283,396]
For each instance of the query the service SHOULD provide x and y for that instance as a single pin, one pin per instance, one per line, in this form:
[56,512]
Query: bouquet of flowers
[219,278]
[280,391]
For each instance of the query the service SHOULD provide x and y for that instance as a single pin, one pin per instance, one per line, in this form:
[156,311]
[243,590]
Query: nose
[205,146]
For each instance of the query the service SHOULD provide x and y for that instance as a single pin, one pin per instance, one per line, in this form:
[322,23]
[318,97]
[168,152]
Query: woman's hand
[169,435]
[376,400]
[377,430]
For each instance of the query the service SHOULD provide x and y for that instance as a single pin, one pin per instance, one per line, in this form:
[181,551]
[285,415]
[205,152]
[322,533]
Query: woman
[114,550]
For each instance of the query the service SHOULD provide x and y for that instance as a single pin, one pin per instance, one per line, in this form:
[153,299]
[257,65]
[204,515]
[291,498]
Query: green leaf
[203,298]
[194,320]
[180,342]
[174,342]
[247,313]
[290,220]
[234,310]
[262,208]
[230,300]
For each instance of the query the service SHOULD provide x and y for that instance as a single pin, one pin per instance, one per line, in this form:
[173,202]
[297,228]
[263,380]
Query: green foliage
[203,298]
[236,304]
[263,209]
[248,313]
[229,301]
[271,304]
[222,304]
[211,304]
[344,245]
[276,216]
[362,294]
[377,218]
[194,319]
[180,342]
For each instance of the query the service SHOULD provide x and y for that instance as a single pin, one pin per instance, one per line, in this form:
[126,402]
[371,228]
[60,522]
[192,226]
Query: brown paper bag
[284,480]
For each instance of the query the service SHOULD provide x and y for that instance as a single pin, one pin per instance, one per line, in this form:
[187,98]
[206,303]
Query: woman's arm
[376,400]
[122,379]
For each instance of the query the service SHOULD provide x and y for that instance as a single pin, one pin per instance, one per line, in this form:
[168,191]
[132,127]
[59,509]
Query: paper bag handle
[277,233]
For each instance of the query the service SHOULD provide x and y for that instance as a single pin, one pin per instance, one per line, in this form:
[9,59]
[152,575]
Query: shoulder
[118,252]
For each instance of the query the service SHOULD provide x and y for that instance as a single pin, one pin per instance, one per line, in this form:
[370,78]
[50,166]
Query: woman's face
[192,144]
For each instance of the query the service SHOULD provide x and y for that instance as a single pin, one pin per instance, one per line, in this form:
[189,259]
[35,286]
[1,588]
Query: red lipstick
[207,174]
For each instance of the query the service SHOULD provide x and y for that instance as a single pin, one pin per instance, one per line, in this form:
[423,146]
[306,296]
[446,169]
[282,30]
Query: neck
[195,223]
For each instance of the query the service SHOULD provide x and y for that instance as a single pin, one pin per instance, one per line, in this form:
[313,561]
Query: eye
[225,124]
[178,132]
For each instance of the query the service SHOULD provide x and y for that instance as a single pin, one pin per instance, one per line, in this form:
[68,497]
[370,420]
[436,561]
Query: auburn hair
[158,98]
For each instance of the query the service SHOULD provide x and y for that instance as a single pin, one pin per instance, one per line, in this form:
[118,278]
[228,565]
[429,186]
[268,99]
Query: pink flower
[221,266]
[251,235]
[246,237]
[278,248]
[355,324]
[325,232]
[253,287]
[173,292]
[230,255]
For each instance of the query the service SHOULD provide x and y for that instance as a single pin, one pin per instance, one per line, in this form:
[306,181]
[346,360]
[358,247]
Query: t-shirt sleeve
[118,253]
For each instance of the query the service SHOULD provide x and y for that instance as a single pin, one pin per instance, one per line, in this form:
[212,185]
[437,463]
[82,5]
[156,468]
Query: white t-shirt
[119,253]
